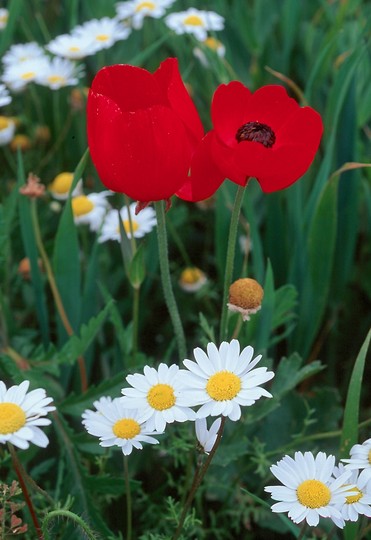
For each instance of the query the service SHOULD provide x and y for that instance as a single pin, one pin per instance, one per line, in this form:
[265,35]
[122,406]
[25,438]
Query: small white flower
[206,437]
[22,413]
[5,98]
[17,76]
[59,72]
[141,223]
[196,22]
[159,396]
[105,32]
[359,504]
[61,185]
[4,16]
[210,44]
[309,491]
[7,129]
[360,458]
[21,52]
[73,46]
[137,10]
[222,380]
[117,426]
[90,209]
[192,279]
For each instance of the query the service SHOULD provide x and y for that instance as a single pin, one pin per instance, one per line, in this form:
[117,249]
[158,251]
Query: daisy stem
[136,296]
[128,499]
[18,469]
[166,279]
[303,531]
[233,227]
[198,477]
[55,292]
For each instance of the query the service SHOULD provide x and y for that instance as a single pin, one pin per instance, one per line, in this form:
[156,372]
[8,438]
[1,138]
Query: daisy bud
[245,297]
[192,279]
[21,142]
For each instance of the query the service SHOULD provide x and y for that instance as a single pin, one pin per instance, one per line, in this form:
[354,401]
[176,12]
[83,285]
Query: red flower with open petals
[143,129]
[265,134]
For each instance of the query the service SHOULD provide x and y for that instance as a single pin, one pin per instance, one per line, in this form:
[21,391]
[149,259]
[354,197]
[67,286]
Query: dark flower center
[256,132]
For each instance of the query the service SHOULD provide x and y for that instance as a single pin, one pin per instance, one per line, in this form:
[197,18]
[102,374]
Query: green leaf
[290,373]
[123,335]
[267,310]
[137,271]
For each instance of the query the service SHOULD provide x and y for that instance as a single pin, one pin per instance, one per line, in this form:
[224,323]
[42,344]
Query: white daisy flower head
[59,72]
[309,490]
[4,16]
[21,414]
[5,98]
[116,425]
[222,380]
[207,437]
[90,209]
[21,52]
[104,32]
[192,279]
[18,76]
[159,395]
[141,224]
[359,504]
[73,46]
[196,22]
[360,458]
[61,185]
[7,129]
[137,10]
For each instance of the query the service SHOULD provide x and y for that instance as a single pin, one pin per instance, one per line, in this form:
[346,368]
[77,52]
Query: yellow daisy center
[102,37]
[12,418]
[4,122]
[313,494]
[62,183]
[354,498]
[191,275]
[74,48]
[126,428]
[81,205]
[369,457]
[212,43]
[28,75]
[223,385]
[3,19]
[144,5]
[55,79]
[161,397]
[193,20]
[126,224]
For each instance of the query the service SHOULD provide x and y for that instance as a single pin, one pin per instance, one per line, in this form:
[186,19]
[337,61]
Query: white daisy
[5,98]
[117,426]
[105,32]
[192,279]
[223,380]
[73,46]
[159,396]
[21,52]
[4,16]
[360,458]
[16,76]
[61,185]
[21,413]
[90,209]
[207,437]
[137,10]
[209,44]
[359,504]
[7,129]
[309,490]
[58,73]
[196,22]
[141,223]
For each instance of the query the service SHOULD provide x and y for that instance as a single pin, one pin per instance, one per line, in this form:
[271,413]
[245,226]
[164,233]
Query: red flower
[143,129]
[266,135]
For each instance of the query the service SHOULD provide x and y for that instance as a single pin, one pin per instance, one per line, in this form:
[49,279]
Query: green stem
[128,499]
[198,477]
[233,228]
[55,514]
[166,280]
[136,296]
[303,531]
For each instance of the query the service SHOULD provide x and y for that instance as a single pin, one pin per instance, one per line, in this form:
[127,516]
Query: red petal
[205,177]
[303,127]
[143,154]
[224,158]
[270,105]
[130,87]
[169,79]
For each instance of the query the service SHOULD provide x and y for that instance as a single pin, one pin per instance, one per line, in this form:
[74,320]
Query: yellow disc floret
[313,494]
[102,37]
[354,498]
[4,122]
[56,79]
[62,183]
[223,385]
[12,418]
[126,428]
[161,397]
[145,5]
[81,205]
[193,20]
[246,293]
